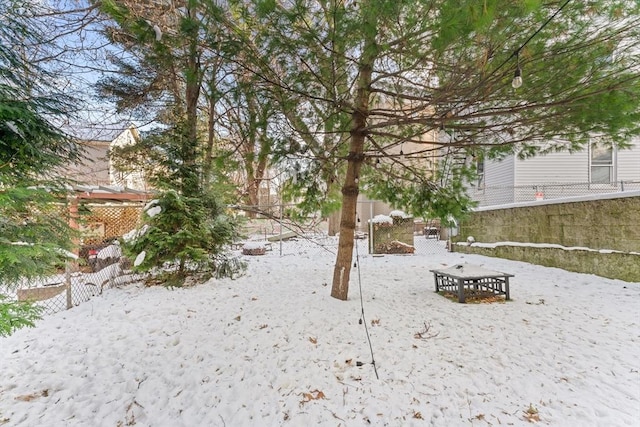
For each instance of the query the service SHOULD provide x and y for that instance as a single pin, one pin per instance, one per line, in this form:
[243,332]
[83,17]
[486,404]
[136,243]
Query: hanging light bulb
[517,78]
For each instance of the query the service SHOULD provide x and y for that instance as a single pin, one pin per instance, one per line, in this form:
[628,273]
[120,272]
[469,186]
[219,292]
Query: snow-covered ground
[273,348]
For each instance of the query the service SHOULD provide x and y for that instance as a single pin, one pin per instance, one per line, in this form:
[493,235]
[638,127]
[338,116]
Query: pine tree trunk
[253,199]
[350,189]
[254,185]
[342,269]
[208,152]
[190,178]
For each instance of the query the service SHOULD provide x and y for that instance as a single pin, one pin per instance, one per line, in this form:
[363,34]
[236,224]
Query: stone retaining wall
[609,223]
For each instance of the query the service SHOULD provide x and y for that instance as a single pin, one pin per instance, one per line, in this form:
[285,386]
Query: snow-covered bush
[185,236]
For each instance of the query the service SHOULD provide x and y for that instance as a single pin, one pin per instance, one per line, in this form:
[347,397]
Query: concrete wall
[610,222]
[616,265]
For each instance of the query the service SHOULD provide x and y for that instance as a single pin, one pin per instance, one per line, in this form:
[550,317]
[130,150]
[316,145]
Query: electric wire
[364,321]
[517,51]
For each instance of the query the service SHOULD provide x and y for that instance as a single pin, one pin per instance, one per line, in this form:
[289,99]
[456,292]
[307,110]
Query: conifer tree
[354,81]
[33,233]
[400,70]
[168,62]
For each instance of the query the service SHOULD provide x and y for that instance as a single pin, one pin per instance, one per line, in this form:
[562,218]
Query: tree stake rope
[362,318]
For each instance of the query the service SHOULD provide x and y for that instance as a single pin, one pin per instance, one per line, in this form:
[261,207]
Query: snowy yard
[272,348]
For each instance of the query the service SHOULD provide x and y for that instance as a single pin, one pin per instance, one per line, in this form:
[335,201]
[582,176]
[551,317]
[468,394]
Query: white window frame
[480,171]
[611,166]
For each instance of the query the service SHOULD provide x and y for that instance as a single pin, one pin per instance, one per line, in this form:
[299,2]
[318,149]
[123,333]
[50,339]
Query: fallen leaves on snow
[312,395]
[32,396]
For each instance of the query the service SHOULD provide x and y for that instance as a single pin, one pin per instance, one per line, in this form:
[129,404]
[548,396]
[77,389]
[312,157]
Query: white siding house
[129,179]
[561,174]
[94,169]
[97,169]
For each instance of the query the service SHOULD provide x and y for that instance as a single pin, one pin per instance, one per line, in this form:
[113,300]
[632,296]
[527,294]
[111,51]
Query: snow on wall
[382,219]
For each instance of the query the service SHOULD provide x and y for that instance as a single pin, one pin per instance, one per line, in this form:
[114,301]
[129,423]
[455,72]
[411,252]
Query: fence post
[73,221]
[67,278]
[281,218]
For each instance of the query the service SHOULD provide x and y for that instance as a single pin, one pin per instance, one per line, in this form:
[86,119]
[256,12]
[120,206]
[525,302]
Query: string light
[517,77]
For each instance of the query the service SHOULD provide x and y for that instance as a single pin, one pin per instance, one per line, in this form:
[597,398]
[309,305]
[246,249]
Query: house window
[602,164]
[480,173]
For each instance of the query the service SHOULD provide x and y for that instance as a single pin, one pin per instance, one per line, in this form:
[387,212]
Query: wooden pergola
[102,194]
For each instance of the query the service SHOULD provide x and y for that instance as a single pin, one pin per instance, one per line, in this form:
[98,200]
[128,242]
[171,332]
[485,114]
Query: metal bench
[468,276]
[432,233]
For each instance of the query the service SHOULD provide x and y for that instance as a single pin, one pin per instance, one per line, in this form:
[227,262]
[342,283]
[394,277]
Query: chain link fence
[286,237]
[502,195]
[78,283]
[99,266]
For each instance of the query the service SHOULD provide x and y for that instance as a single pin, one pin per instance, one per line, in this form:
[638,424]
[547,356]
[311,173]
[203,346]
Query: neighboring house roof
[127,137]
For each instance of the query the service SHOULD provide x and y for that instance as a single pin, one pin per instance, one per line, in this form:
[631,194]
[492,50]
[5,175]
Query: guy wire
[364,321]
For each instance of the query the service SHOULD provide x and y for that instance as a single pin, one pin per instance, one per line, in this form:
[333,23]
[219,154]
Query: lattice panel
[107,222]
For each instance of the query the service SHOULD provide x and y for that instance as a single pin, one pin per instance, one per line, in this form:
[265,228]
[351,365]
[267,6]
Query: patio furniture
[468,276]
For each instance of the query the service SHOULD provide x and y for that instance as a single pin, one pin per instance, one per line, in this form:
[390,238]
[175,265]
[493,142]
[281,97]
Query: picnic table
[458,277]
